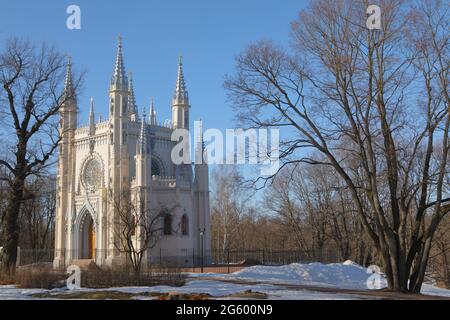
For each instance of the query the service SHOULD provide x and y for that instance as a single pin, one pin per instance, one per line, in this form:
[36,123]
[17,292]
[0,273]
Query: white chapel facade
[127,151]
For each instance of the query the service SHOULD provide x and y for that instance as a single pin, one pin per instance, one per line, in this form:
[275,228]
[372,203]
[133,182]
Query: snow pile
[348,275]
[350,263]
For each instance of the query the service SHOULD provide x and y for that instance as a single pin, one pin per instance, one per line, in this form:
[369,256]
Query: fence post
[193,260]
[228,260]
[201,258]
[18,257]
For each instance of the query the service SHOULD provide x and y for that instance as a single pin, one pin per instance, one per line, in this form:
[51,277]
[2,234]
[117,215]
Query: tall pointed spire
[181,94]
[180,102]
[142,141]
[119,79]
[91,118]
[152,113]
[69,92]
[132,108]
[200,146]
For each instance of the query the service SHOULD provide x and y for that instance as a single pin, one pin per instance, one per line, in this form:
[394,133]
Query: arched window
[167,224]
[184,225]
[156,171]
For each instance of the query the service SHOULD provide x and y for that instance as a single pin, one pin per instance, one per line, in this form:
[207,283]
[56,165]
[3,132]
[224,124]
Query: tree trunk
[11,228]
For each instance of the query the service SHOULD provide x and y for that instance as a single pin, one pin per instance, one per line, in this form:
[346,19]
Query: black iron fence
[188,260]
[32,256]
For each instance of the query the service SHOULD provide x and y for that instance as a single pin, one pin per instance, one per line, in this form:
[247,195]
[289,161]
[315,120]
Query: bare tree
[315,208]
[31,95]
[440,255]
[376,109]
[137,227]
[228,206]
[38,216]
[282,199]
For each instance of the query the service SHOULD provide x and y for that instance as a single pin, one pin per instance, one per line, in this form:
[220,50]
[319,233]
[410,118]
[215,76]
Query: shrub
[6,279]
[97,277]
[39,276]
[43,276]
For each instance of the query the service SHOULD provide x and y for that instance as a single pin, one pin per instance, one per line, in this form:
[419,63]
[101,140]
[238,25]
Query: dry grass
[91,295]
[249,294]
[6,280]
[43,276]
[183,296]
[96,277]
[118,295]
[39,276]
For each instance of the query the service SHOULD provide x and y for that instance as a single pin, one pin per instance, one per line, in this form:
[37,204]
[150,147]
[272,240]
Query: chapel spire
[152,113]
[132,108]
[180,102]
[91,117]
[69,91]
[181,95]
[200,145]
[119,79]
[142,141]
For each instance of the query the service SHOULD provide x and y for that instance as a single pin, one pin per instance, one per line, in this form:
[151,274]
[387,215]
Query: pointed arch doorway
[87,238]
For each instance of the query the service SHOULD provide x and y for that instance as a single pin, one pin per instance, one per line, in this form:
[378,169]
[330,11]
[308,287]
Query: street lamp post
[202,233]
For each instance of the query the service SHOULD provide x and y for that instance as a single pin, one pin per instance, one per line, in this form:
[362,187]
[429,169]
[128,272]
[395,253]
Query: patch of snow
[214,288]
[431,290]
[349,263]
[11,292]
[339,275]
[309,295]
[219,290]
[346,275]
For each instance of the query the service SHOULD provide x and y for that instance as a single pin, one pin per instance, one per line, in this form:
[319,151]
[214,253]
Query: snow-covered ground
[264,279]
[11,292]
[217,289]
[220,289]
[346,275]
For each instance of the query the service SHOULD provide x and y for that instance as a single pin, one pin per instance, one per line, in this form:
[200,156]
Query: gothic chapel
[126,151]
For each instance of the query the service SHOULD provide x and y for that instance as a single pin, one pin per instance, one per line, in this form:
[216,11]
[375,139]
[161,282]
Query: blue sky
[207,33]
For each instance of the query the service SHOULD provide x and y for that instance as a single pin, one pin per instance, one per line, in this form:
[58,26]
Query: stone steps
[83,263]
